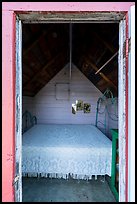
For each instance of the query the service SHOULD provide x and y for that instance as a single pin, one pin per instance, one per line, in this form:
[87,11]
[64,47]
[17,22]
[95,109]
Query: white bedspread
[60,150]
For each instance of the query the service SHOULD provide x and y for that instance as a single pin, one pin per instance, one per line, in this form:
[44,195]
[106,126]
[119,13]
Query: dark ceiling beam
[43,34]
[101,56]
[106,62]
[100,73]
[44,68]
[103,53]
[108,45]
[34,35]
[32,90]
[25,76]
[33,44]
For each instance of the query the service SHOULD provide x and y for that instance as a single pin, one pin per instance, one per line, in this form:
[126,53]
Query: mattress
[63,150]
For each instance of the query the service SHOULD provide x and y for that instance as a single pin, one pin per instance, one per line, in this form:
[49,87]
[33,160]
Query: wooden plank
[25,77]
[101,74]
[26,69]
[101,56]
[104,52]
[37,40]
[43,69]
[108,45]
[106,62]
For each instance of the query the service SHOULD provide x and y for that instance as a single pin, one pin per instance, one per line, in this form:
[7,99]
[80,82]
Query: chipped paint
[70,16]
[8,105]
[122,112]
[127,50]
[8,70]
[67,6]
[18,111]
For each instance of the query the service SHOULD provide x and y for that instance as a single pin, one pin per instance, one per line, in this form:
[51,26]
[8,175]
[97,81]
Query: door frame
[100,17]
[110,11]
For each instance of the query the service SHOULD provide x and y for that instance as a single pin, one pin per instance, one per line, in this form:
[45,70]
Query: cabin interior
[66,68]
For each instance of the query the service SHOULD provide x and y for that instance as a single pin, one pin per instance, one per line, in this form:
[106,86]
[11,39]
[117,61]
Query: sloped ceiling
[46,50]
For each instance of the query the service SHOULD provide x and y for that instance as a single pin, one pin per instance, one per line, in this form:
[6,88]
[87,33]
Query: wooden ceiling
[46,50]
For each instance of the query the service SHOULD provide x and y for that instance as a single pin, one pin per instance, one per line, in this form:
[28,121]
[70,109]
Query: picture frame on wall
[87,108]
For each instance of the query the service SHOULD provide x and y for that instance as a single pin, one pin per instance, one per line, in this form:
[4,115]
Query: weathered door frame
[116,15]
[18,111]
[100,17]
[131,109]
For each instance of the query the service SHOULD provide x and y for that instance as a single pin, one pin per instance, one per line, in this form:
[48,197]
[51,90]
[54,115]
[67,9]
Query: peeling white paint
[18,132]
[100,17]
[122,110]
[131,111]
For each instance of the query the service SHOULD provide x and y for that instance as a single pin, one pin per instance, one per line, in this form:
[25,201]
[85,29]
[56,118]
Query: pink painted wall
[8,83]
[8,72]
[67,6]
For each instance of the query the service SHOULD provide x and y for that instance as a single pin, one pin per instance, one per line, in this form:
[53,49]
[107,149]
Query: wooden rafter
[101,55]
[36,40]
[27,69]
[108,45]
[44,68]
[25,76]
[106,62]
[101,74]
[104,52]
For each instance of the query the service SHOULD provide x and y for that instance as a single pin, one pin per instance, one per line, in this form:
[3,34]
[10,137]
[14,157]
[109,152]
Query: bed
[63,151]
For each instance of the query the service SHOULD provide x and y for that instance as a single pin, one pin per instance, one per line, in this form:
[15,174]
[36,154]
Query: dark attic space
[46,50]
[70,112]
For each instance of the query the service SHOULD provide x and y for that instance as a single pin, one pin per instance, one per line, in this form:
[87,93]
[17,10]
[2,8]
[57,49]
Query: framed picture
[74,108]
[87,108]
[79,105]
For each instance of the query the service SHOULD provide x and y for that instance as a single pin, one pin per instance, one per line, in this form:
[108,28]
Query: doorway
[121,91]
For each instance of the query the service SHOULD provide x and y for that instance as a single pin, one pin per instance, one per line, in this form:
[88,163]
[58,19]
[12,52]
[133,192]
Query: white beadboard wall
[50,110]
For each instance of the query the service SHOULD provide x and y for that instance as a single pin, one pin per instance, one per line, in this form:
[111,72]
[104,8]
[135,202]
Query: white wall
[48,109]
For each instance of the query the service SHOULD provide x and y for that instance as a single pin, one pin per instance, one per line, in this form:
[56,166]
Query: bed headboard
[28,121]
[106,100]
